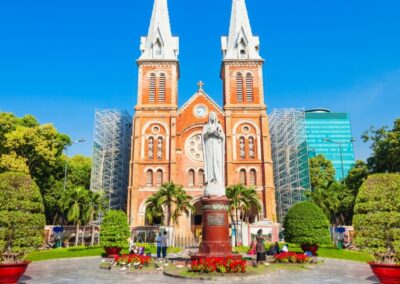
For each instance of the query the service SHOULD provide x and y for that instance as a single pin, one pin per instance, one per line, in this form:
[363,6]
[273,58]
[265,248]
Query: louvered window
[151,148]
[149,178]
[161,88]
[201,177]
[191,178]
[249,87]
[152,88]
[243,177]
[239,87]
[159,177]
[253,177]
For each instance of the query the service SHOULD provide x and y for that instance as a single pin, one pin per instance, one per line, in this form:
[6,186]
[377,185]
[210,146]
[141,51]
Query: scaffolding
[110,168]
[290,157]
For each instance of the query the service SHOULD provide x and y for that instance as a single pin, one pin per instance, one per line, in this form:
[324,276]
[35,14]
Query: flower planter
[112,251]
[11,273]
[312,248]
[386,273]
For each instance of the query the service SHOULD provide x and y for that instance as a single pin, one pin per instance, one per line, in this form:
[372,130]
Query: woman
[260,248]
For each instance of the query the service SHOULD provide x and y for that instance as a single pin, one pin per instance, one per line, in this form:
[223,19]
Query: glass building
[329,134]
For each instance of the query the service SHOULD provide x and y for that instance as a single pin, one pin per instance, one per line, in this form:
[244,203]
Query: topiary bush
[377,217]
[22,217]
[306,223]
[114,229]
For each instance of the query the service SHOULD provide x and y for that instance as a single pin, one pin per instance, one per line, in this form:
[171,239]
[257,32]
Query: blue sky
[60,60]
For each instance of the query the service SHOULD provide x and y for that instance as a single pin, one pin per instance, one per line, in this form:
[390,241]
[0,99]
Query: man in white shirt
[158,241]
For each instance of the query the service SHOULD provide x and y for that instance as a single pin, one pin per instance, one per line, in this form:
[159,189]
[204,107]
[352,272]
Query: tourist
[273,249]
[164,244]
[260,248]
[158,241]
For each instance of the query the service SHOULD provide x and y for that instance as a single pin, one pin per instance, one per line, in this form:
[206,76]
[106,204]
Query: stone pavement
[86,270]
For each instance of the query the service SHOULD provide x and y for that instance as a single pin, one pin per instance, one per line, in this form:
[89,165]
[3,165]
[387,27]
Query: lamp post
[66,159]
[340,150]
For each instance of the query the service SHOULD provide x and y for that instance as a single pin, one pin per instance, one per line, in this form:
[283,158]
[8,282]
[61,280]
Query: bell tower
[153,159]
[248,158]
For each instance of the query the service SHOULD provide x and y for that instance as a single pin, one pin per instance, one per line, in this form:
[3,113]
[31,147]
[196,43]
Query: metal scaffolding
[290,157]
[110,168]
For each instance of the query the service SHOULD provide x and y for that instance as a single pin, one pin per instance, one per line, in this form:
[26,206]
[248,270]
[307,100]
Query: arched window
[251,148]
[151,148]
[152,88]
[161,88]
[158,48]
[239,87]
[201,177]
[149,178]
[249,87]
[160,148]
[191,178]
[242,148]
[159,177]
[243,177]
[253,177]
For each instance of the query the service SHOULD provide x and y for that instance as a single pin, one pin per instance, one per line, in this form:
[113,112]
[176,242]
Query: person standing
[158,241]
[260,248]
[164,244]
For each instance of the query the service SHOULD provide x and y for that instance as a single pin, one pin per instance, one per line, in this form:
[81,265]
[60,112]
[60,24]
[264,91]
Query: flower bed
[220,265]
[291,257]
[127,259]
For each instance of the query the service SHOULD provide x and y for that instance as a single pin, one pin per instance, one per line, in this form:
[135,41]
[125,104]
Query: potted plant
[305,224]
[22,224]
[114,232]
[377,224]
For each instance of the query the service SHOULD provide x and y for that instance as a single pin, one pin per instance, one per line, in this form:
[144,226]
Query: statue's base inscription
[216,220]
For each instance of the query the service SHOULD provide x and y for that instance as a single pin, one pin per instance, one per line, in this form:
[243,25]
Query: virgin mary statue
[213,140]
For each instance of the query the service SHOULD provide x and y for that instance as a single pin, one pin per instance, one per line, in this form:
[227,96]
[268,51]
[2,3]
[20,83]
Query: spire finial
[200,84]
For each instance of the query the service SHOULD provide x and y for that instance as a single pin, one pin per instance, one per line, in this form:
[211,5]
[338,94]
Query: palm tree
[241,201]
[95,205]
[171,197]
[73,203]
[154,209]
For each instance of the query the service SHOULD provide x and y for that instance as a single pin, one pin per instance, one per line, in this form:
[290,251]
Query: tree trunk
[83,235]
[92,237]
[237,222]
[168,215]
[77,234]
[234,226]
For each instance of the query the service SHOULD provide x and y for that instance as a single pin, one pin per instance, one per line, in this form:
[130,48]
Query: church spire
[159,43]
[240,44]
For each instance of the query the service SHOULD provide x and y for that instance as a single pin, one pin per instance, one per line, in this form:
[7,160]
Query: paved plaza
[86,270]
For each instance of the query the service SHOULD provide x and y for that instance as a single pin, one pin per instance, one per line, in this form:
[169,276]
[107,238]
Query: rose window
[194,148]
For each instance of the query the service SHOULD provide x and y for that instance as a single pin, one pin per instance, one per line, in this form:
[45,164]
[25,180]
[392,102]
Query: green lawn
[73,252]
[327,252]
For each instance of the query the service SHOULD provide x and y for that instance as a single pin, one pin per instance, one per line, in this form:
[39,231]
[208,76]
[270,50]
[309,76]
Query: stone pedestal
[215,230]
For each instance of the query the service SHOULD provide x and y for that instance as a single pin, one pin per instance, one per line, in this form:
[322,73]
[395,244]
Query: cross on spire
[200,84]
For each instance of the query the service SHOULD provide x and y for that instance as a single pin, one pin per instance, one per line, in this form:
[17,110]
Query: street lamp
[340,150]
[66,159]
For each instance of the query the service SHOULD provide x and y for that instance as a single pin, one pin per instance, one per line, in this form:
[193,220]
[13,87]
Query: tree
[377,217]
[73,203]
[79,171]
[322,172]
[154,209]
[22,218]
[174,199]
[305,223]
[95,205]
[114,229]
[241,201]
[357,175]
[385,147]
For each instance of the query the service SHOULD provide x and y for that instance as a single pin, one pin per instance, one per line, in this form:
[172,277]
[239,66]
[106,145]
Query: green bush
[305,223]
[22,217]
[377,217]
[114,229]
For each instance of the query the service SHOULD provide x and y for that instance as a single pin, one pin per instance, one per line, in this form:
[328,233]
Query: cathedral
[166,138]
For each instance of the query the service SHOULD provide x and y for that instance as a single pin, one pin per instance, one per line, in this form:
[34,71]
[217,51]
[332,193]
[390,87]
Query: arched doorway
[197,219]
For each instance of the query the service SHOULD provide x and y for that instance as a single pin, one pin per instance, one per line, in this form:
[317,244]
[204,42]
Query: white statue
[213,140]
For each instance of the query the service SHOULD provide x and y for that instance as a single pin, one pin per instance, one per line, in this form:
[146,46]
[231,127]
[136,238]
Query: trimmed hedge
[306,223]
[114,229]
[22,217]
[377,217]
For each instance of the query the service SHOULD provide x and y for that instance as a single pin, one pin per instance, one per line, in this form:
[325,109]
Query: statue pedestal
[215,230]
